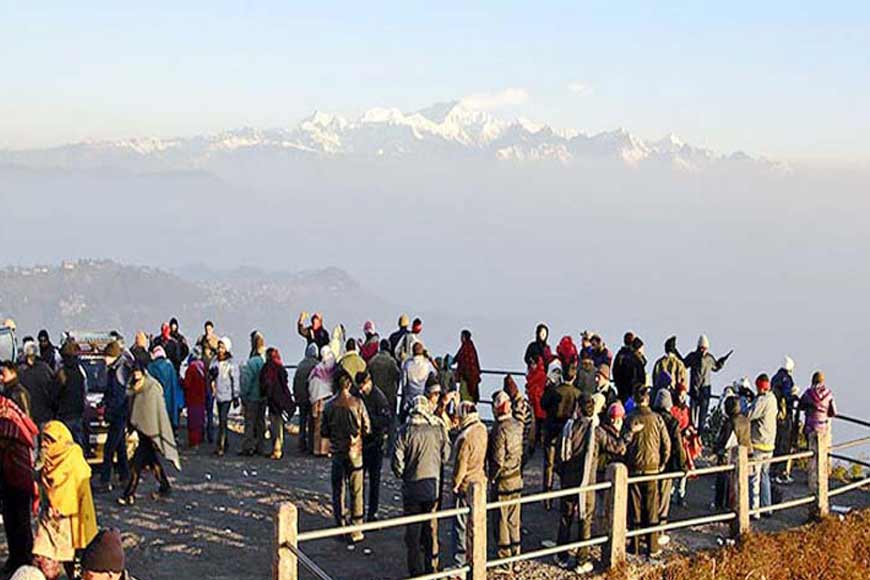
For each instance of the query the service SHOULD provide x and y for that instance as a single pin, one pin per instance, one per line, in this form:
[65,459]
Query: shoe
[126,500]
[276,456]
[561,561]
[357,537]
[767,515]
[664,540]
[583,568]
[372,518]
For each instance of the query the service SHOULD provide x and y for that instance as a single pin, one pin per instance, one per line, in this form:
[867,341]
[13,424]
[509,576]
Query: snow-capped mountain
[450,130]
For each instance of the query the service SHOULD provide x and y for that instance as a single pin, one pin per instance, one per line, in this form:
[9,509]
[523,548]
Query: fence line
[380,525]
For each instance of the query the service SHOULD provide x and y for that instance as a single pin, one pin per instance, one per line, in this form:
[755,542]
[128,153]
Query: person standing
[559,401]
[149,418]
[623,375]
[538,351]
[701,364]
[672,363]
[164,370]
[195,387]
[398,334]
[345,424]
[303,399]
[786,393]
[183,349]
[314,333]
[351,361]
[386,374]
[115,414]
[279,400]
[209,344]
[647,454]
[12,387]
[67,520]
[139,350]
[469,466]
[762,421]
[468,367]
[171,348]
[371,343]
[678,461]
[253,405]
[224,376]
[17,440]
[405,349]
[504,459]
[587,374]
[415,372]
[817,403]
[320,389]
[735,430]
[522,412]
[72,389]
[378,409]
[421,451]
[38,378]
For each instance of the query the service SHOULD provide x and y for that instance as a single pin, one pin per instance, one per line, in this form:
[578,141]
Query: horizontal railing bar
[547,552]
[852,420]
[852,443]
[679,474]
[549,495]
[715,519]
[782,458]
[308,562]
[849,487]
[849,459]
[380,525]
[498,372]
[783,505]
[451,573]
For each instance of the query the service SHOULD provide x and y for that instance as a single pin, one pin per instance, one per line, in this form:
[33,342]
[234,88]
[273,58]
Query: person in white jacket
[224,376]
[762,421]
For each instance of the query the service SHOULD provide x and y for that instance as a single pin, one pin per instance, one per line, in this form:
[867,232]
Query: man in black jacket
[380,417]
[38,378]
[622,374]
[71,392]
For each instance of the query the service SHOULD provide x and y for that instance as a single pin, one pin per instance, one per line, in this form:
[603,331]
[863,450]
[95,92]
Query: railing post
[617,513]
[740,525]
[818,476]
[285,566]
[476,531]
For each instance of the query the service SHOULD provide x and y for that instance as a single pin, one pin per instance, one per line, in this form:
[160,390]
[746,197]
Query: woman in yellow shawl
[67,521]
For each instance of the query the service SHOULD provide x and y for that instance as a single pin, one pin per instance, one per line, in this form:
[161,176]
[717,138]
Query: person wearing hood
[72,389]
[566,352]
[253,405]
[224,378]
[115,414]
[278,398]
[762,422]
[817,404]
[469,466]
[180,341]
[67,520]
[538,351]
[351,361]
[38,378]
[314,333]
[405,348]
[701,364]
[784,389]
[162,369]
[320,389]
[504,458]
[171,348]
[17,441]
[672,363]
[422,449]
[581,441]
[346,423]
[195,385]
[303,399]
[415,372]
[48,353]
[148,416]
[522,412]
[468,368]
[663,405]
[371,341]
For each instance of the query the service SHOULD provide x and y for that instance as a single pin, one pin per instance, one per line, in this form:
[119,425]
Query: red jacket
[536,382]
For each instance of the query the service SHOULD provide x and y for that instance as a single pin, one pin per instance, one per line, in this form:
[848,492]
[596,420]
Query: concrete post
[285,565]
[740,526]
[476,531]
[614,550]
[820,446]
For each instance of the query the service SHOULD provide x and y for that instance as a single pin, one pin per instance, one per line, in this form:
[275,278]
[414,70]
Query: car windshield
[95,369]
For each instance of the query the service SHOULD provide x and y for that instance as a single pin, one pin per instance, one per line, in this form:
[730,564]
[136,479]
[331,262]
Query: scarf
[66,478]
[565,452]
[149,416]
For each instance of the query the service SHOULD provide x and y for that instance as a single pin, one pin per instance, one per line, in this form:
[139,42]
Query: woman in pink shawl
[320,389]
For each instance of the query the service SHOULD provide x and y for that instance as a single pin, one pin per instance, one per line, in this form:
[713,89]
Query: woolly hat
[311,350]
[703,341]
[105,553]
[664,400]
[228,344]
[404,321]
[499,400]
[788,363]
[616,411]
[113,349]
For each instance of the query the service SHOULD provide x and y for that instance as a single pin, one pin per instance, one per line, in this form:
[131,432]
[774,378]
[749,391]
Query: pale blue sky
[771,78]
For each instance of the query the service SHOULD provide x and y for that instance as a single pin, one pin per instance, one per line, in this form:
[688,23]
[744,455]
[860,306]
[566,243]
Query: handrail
[548,551]
[782,458]
[383,524]
[680,474]
[849,487]
[451,573]
[554,494]
[853,420]
[783,505]
[849,459]
[690,523]
[852,443]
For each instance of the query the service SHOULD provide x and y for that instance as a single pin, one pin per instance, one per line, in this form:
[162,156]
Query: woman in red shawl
[276,390]
[468,366]
[194,394]
[17,434]
[567,352]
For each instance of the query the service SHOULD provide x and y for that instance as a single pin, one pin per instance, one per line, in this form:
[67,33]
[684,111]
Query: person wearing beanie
[678,462]
[314,333]
[786,393]
[253,405]
[504,459]
[469,466]
[701,364]
[103,559]
[672,363]
[762,420]
[303,398]
[397,335]
[115,414]
[225,387]
[386,375]
[522,412]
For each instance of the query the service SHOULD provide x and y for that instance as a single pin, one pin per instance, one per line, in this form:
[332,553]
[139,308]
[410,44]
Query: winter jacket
[678,461]
[300,379]
[405,348]
[522,412]
[650,448]
[17,393]
[71,390]
[735,430]
[504,455]
[164,371]
[818,404]
[599,357]
[603,442]
[469,454]
[225,374]
[353,363]
[385,375]
[345,422]
[175,351]
[782,385]
[701,367]
[320,337]
[276,389]
[671,364]
[559,403]
[536,383]
[585,380]
[115,398]
[378,409]
[538,351]
[370,347]
[422,449]
[396,337]
[623,372]
[762,418]
[39,381]
[415,373]
[249,379]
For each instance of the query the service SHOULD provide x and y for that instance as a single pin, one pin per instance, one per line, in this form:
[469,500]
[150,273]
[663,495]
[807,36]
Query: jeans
[116,443]
[459,529]
[347,470]
[223,426]
[373,461]
[759,480]
[701,408]
[421,539]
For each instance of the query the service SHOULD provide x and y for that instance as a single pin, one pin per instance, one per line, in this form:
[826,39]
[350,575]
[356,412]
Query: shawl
[195,383]
[321,377]
[148,415]
[588,457]
[66,478]
[468,365]
[16,457]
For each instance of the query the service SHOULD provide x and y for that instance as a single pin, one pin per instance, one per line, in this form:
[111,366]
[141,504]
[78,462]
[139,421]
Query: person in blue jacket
[162,369]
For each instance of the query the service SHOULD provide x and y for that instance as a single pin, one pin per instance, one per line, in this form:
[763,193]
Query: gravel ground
[218,522]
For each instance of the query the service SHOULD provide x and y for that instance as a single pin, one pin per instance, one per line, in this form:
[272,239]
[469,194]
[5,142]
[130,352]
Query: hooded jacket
[469,453]
[818,404]
[422,449]
[300,379]
[538,350]
[249,378]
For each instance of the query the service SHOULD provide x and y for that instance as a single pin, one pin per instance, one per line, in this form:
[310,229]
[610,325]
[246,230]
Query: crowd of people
[362,399]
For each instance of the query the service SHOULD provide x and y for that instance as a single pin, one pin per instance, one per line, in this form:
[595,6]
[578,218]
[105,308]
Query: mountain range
[450,130]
